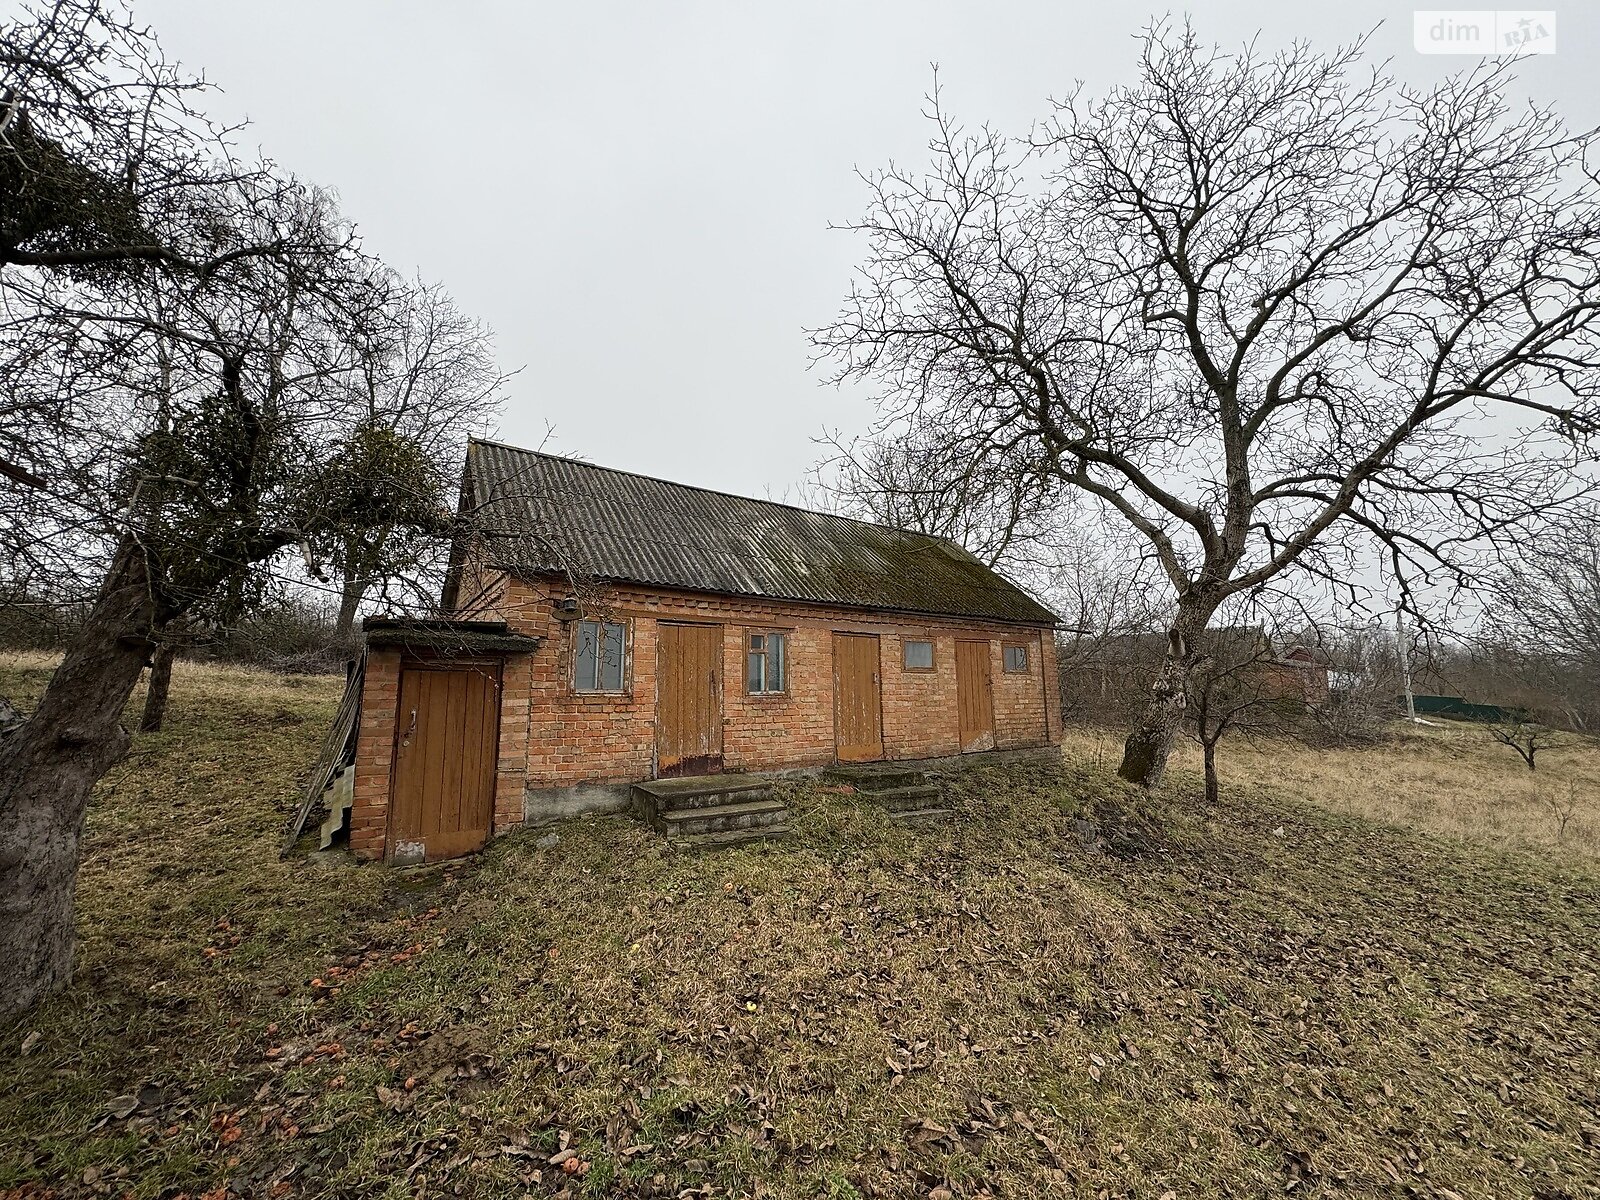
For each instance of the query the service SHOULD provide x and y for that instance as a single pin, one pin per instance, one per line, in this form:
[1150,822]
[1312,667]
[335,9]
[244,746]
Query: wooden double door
[688,699]
[447,734]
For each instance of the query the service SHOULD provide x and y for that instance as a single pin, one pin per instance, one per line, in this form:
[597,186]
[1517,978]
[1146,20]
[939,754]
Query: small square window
[767,667]
[597,656]
[1016,660]
[918,656]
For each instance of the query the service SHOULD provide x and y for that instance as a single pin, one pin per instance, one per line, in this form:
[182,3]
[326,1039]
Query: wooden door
[447,736]
[688,699]
[857,700]
[974,696]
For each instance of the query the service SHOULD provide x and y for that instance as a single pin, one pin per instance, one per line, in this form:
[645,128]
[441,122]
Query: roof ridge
[695,487]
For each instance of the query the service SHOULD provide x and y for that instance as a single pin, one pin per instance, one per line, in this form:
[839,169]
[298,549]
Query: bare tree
[1363,676]
[429,381]
[103,147]
[920,479]
[158,685]
[1109,598]
[1562,808]
[176,348]
[1525,736]
[1238,686]
[1275,313]
[1546,606]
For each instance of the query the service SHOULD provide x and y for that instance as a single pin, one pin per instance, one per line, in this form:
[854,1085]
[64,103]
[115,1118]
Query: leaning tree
[179,349]
[1277,313]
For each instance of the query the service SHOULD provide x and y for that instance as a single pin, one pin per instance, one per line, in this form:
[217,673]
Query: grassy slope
[1447,777]
[1227,1002]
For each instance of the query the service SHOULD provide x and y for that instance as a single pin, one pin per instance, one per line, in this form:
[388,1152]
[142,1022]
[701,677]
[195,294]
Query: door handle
[405,738]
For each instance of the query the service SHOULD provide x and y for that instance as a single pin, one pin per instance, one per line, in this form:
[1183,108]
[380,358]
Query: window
[918,655]
[768,668]
[1016,660]
[597,656]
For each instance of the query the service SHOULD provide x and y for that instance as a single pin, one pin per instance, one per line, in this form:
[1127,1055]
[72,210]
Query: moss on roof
[541,512]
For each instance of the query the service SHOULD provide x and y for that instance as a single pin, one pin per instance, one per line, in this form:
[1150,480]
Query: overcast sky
[636,196]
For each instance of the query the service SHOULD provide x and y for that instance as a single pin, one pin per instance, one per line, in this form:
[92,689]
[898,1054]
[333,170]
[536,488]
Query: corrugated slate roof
[542,512]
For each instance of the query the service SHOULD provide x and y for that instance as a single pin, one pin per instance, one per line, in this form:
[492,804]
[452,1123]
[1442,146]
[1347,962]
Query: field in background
[1450,777]
[1072,989]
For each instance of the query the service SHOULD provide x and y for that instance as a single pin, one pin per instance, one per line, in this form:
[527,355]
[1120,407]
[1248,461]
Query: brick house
[605,628]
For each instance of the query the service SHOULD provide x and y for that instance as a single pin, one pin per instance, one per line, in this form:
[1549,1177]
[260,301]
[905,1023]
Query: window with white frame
[598,656]
[767,671]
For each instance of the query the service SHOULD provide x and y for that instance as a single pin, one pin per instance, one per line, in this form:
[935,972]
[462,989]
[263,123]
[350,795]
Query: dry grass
[1051,996]
[1449,777]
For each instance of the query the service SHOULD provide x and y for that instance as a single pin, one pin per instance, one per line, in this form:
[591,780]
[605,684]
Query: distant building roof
[541,514]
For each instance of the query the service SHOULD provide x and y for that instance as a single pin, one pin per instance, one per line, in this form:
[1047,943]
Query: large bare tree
[178,345]
[1275,312]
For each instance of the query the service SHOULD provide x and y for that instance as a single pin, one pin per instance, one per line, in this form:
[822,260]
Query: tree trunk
[349,602]
[362,558]
[48,768]
[1145,754]
[1212,790]
[155,696]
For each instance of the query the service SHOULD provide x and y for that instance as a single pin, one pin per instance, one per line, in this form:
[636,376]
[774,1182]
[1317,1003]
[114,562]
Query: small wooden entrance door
[688,699]
[857,701]
[974,696]
[447,737]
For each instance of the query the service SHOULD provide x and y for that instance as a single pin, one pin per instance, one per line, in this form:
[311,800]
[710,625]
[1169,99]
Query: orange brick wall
[1051,686]
[575,739]
[552,737]
[369,804]
[1020,698]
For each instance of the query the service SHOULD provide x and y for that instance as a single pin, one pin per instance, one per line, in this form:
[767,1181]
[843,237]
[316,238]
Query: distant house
[1301,673]
[1122,668]
[606,628]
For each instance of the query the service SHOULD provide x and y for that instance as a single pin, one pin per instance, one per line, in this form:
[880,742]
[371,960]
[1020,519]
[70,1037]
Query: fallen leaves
[395,1100]
[227,1127]
[982,1009]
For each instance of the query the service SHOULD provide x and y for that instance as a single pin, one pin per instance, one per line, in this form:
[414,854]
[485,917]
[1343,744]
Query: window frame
[624,668]
[1005,659]
[765,631]
[933,655]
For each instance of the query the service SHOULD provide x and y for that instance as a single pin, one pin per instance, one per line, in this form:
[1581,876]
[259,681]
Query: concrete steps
[730,837]
[722,818]
[903,793]
[711,811]
[875,777]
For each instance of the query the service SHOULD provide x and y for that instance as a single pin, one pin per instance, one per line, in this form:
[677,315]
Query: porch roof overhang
[448,637]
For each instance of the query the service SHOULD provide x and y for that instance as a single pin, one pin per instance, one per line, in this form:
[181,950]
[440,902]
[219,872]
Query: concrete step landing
[708,811]
[903,792]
